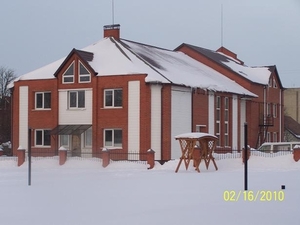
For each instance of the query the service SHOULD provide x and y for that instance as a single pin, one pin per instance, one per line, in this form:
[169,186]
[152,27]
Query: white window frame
[43,138]
[275,110]
[43,100]
[274,136]
[218,120]
[77,99]
[199,128]
[113,145]
[113,98]
[83,75]
[69,76]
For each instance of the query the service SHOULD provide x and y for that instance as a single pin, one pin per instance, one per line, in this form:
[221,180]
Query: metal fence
[233,154]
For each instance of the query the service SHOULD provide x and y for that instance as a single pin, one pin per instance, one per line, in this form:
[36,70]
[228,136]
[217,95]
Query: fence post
[150,158]
[296,153]
[21,155]
[248,154]
[105,157]
[62,155]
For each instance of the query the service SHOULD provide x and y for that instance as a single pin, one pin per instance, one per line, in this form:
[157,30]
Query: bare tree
[6,76]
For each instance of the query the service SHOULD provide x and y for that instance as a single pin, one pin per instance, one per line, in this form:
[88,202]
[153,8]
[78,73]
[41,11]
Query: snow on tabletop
[194,135]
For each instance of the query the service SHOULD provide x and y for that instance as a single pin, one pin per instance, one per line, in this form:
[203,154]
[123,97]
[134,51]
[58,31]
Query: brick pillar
[21,155]
[62,155]
[105,157]
[296,153]
[248,154]
[150,158]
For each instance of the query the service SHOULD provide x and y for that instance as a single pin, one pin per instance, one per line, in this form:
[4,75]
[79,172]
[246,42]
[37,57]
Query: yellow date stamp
[253,196]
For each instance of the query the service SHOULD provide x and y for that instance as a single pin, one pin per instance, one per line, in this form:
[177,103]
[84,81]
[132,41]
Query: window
[218,118]
[76,99]
[42,138]
[88,138]
[275,110]
[200,128]
[84,75]
[270,82]
[113,138]
[64,140]
[268,109]
[113,97]
[43,100]
[268,137]
[274,137]
[68,76]
[274,83]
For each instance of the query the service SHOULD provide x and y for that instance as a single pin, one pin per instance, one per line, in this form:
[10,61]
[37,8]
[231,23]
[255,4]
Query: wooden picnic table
[196,146]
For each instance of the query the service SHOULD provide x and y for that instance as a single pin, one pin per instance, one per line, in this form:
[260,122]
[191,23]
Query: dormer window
[274,83]
[68,76]
[84,74]
[270,82]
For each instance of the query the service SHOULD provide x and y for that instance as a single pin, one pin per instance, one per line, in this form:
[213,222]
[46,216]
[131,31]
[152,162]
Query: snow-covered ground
[81,192]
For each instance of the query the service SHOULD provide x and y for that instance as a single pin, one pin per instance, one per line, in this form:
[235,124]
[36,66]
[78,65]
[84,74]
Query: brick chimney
[112,31]
[230,53]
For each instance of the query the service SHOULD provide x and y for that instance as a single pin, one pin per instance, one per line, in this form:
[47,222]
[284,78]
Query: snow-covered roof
[260,75]
[123,57]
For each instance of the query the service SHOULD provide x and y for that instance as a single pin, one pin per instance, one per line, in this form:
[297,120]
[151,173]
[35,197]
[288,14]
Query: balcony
[266,120]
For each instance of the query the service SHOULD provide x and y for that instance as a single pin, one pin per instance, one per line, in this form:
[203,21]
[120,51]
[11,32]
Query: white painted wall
[211,113]
[23,117]
[243,120]
[181,117]
[133,116]
[75,116]
[156,120]
[235,122]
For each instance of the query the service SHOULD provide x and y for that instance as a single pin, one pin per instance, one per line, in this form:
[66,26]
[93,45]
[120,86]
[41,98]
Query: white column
[23,117]
[156,120]
[133,116]
[234,122]
[211,113]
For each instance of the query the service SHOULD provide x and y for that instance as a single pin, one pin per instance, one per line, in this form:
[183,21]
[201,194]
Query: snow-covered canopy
[123,57]
[194,135]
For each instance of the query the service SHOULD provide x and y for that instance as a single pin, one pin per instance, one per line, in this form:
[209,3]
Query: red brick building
[264,114]
[127,96]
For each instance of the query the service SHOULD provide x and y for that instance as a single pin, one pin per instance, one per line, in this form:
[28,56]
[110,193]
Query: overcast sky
[35,33]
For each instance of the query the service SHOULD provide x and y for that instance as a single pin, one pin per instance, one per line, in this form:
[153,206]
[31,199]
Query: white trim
[133,117]
[63,75]
[83,75]
[211,113]
[243,120]
[156,120]
[23,116]
[234,135]
[181,116]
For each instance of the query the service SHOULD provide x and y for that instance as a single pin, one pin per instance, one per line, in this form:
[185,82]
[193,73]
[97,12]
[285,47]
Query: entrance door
[76,145]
